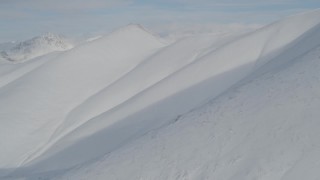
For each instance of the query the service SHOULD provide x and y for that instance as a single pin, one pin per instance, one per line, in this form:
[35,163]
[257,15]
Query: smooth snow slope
[89,107]
[32,106]
[152,70]
[194,84]
[266,129]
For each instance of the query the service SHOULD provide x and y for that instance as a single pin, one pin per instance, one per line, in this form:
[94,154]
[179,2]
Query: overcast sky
[21,19]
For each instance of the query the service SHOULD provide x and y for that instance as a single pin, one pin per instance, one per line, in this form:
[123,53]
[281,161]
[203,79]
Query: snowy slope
[34,104]
[189,87]
[263,128]
[156,68]
[88,107]
[101,100]
[35,47]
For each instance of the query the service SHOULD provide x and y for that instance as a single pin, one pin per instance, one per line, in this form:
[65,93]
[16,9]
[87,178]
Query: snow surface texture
[129,106]
[34,47]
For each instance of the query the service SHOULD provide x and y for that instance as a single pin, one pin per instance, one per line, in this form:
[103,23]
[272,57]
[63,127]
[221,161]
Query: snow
[56,86]
[7,45]
[264,129]
[35,47]
[132,106]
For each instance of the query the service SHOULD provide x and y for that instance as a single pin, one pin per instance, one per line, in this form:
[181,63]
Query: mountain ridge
[141,93]
[35,47]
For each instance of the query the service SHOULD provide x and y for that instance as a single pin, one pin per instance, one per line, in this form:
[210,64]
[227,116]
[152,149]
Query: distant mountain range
[37,46]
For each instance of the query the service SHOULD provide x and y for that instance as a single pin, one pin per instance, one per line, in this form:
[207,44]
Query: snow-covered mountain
[131,106]
[7,45]
[35,47]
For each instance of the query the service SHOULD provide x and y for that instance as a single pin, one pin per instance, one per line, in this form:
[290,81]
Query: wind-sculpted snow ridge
[264,129]
[117,115]
[37,95]
[35,47]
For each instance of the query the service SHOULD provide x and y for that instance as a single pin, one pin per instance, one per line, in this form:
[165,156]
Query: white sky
[22,19]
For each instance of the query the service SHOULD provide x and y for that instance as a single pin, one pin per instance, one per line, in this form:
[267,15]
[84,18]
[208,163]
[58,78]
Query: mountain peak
[135,27]
[36,46]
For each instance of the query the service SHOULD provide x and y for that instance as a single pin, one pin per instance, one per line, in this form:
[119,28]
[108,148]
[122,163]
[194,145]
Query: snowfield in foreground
[132,106]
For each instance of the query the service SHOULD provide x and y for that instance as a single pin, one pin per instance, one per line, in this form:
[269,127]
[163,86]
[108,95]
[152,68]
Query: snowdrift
[38,94]
[99,98]
[263,129]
